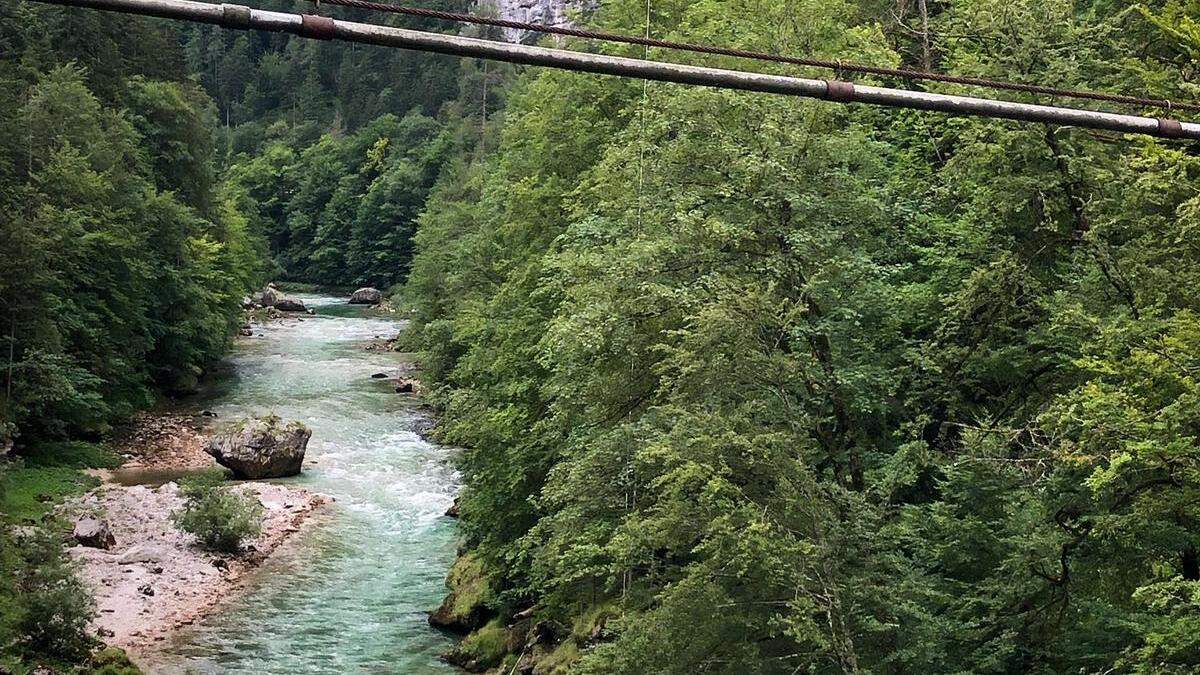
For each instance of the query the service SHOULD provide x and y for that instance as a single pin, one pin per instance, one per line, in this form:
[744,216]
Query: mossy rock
[466,607]
[482,649]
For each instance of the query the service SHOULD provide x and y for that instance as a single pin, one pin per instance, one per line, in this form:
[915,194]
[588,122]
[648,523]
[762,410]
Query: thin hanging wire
[642,130]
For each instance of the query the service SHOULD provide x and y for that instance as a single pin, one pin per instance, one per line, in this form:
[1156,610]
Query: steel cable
[834,65]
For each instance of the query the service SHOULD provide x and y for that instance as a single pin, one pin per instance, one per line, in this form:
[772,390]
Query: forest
[749,384]
[743,383]
[123,259]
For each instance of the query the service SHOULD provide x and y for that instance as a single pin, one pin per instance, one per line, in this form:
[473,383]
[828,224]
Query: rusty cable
[835,65]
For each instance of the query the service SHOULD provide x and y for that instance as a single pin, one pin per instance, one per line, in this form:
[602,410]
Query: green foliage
[47,607]
[343,210]
[770,385]
[263,83]
[112,661]
[334,148]
[121,259]
[797,387]
[219,518]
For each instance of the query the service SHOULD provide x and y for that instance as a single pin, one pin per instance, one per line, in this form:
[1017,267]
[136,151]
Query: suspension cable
[837,66]
[242,17]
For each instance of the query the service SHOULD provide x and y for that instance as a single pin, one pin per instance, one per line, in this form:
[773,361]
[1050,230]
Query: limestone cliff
[544,12]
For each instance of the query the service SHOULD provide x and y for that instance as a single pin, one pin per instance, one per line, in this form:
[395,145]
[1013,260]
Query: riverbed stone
[287,304]
[94,533]
[265,447]
[366,296]
[144,553]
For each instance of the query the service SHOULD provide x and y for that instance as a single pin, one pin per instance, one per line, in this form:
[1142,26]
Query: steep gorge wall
[544,12]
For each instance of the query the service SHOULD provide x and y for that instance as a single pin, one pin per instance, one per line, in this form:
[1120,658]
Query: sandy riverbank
[154,579]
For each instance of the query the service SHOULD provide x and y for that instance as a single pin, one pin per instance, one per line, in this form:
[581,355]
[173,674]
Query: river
[352,594]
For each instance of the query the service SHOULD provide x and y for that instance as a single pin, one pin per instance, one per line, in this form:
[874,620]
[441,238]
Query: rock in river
[262,448]
[94,533]
[366,296]
[269,296]
[286,304]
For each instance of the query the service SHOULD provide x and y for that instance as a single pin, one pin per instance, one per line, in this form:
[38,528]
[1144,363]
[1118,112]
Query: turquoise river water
[352,594]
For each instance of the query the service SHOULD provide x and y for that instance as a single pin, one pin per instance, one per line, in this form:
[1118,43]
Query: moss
[559,661]
[485,648]
[469,586]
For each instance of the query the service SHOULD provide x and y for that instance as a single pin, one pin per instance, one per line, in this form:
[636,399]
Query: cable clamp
[1169,128]
[839,90]
[235,16]
[317,27]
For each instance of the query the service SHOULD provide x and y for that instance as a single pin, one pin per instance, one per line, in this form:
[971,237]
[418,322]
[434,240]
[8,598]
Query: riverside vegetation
[130,229]
[757,385]
[122,262]
[746,384]
[219,518]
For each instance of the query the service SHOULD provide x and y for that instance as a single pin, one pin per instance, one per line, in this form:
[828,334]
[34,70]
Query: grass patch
[595,615]
[113,661]
[72,454]
[28,494]
[47,475]
[559,661]
[44,608]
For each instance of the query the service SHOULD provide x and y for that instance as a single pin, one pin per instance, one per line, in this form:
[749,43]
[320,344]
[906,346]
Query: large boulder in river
[93,532]
[263,447]
[366,296]
[269,296]
[286,304]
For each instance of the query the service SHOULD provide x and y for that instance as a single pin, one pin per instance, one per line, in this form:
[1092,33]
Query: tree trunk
[1191,564]
[926,59]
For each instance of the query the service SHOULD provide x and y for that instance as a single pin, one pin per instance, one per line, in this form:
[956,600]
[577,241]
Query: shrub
[218,517]
[51,607]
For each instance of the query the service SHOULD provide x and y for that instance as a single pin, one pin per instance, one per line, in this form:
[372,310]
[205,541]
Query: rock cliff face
[544,12]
